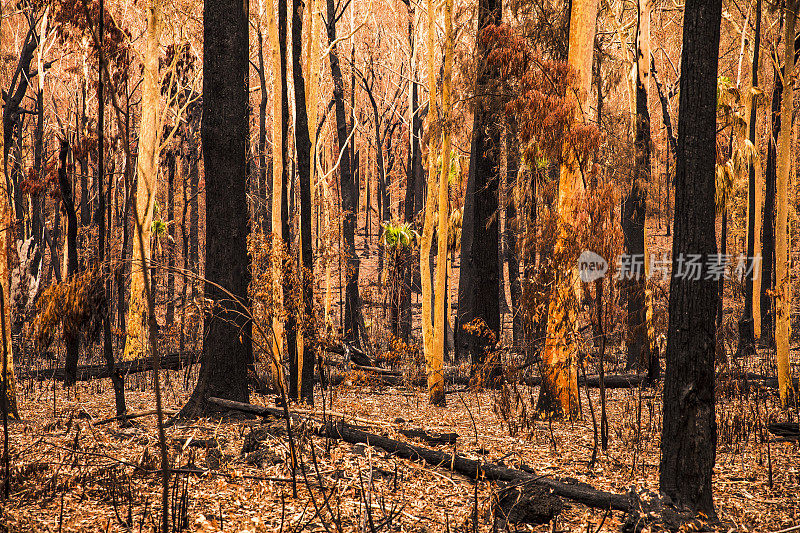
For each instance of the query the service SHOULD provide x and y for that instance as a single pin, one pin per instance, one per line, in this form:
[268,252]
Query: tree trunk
[306,354]
[8,403]
[559,391]
[263,220]
[171,248]
[226,346]
[413,174]
[783,275]
[349,190]
[147,163]
[634,207]
[436,358]
[512,228]
[747,329]
[689,438]
[768,241]
[117,380]
[479,278]
[71,337]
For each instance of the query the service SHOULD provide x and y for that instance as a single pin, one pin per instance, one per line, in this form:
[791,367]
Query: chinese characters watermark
[693,267]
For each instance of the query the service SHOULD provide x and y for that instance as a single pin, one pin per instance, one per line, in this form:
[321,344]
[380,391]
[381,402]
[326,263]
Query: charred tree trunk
[117,381]
[264,220]
[226,346]
[349,190]
[634,207]
[171,169]
[770,177]
[689,438]
[71,337]
[479,282]
[306,357]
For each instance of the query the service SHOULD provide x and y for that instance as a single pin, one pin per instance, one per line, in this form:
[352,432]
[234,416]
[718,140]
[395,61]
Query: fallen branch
[579,492]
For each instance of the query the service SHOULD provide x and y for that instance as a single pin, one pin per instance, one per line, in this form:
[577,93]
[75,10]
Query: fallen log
[87,372]
[579,492]
[434,439]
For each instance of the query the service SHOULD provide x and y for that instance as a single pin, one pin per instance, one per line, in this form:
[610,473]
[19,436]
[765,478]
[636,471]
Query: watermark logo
[591,266]
[693,267]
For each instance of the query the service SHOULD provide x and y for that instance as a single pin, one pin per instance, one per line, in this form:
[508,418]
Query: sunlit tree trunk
[426,241]
[435,357]
[750,321]
[147,164]
[783,301]
[277,195]
[559,391]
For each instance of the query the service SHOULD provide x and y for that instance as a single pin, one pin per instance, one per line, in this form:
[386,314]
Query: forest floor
[71,473]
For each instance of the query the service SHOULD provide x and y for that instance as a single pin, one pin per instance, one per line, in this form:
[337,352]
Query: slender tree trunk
[479,279]
[436,357]
[559,391]
[117,380]
[194,200]
[264,220]
[634,208]
[689,438]
[71,336]
[783,275]
[349,190]
[512,229]
[147,162]
[8,403]
[306,354]
[226,346]
[747,322]
[171,170]
[83,160]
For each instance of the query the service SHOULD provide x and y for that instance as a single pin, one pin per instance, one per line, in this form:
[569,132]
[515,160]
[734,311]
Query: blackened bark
[226,346]
[289,302]
[349,192]
[302,142]
[479,281]
[410,208]
[71,338]
[194,203]
[634,212]
[83,160]
[171,157]
[264,218]
[689,437]
[117,381]
[665,113]
[768,241]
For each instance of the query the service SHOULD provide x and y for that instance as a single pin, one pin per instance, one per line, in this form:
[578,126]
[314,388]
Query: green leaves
[398,237]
